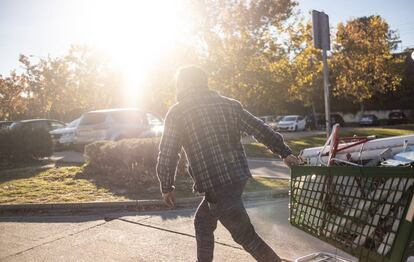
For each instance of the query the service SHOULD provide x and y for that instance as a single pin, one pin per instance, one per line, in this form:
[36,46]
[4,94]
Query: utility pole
[326,92]
[321,40]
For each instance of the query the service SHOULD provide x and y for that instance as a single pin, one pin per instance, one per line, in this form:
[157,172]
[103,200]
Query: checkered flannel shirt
[209,128]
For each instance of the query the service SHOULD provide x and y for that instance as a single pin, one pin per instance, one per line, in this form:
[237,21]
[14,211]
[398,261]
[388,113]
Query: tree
[362,62]
[158,90]
[96,84]
[242,52]
[64,87]
[47,82]
[305,67]
[12,101]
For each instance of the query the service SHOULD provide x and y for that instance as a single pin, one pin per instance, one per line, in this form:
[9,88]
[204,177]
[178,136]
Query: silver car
[65,135]
[116,124]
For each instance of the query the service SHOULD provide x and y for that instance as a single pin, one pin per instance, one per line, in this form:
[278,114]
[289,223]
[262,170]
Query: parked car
[397,118]
[46,124]
[292,123]
[35,124]
[279,118]
[312,121]
[270,120]
[65,136]
[5,124]
[369,120]
[335,119]
[116,124]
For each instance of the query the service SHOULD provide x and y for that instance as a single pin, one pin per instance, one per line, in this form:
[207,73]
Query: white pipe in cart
[363,152]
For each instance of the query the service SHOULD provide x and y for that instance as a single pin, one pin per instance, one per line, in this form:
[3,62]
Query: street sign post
[321,40]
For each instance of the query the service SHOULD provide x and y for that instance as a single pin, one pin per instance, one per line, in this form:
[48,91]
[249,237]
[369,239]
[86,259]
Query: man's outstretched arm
[265,134]
[168,157]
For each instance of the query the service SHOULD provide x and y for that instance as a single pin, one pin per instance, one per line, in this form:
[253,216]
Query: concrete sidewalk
[153,236]
[269,168]
[68,156]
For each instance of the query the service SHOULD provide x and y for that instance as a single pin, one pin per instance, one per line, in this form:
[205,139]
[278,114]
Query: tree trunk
[314,115]
[362,109]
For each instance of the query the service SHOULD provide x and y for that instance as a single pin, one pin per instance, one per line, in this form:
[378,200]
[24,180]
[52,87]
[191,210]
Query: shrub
[126,163]
[24,144]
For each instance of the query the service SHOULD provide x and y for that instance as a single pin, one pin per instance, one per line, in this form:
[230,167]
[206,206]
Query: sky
[398,13]
[49,27]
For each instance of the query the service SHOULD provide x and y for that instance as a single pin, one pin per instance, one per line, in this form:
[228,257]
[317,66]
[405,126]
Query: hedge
[128,162]
[18,145]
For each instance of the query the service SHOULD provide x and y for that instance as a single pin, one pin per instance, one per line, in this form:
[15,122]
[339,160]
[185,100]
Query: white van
[116,124]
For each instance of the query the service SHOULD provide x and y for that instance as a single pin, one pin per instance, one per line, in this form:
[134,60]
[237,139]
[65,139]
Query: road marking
[174,232]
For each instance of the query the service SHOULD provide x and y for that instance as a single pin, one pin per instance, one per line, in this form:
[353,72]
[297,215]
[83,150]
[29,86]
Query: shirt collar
[192,93]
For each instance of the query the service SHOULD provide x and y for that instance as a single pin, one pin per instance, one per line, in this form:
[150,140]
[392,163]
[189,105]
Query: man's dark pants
[226,206]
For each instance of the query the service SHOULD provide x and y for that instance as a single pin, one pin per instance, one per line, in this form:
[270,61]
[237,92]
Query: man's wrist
[285,152]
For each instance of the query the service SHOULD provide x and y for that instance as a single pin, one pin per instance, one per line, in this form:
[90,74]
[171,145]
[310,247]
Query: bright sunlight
[132,33]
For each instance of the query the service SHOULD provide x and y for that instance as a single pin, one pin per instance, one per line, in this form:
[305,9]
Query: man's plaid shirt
[209,128]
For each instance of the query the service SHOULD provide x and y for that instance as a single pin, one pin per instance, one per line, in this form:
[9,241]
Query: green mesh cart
[366,212]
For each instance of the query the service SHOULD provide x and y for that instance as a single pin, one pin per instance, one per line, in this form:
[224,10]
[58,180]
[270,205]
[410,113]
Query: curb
[132,205]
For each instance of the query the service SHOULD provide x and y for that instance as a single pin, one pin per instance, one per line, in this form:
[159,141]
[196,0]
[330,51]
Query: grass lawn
[52,185]
[259,150]
[70,184]
[261,183]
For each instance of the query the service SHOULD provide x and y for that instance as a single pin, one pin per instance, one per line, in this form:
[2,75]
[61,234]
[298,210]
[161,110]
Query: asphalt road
[287,135]
[258,167]
[153,236]
[77,157]
[268,168]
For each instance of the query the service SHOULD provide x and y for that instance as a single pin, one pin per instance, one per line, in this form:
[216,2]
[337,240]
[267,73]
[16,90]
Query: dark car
[337,119]
[397,118]
[369,120]
[311,120]
[5,124]
[38,124]
[32,124]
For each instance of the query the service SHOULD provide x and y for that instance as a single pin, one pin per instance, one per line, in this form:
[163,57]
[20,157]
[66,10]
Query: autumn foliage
[257,51]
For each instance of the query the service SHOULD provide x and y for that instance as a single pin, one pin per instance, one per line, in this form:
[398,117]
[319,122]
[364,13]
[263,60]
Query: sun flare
[133,34]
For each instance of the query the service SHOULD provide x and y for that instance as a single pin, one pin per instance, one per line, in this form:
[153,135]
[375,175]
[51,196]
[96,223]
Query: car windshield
[93,119]
[15,125]
[369,117]
[290,118]
[74,123]
[126,117]
[395,114]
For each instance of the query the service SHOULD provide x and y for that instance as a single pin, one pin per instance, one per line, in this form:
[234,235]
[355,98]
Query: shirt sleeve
[168,156]
[264,133]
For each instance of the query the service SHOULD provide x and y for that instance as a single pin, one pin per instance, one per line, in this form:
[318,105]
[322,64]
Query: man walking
[209,128]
